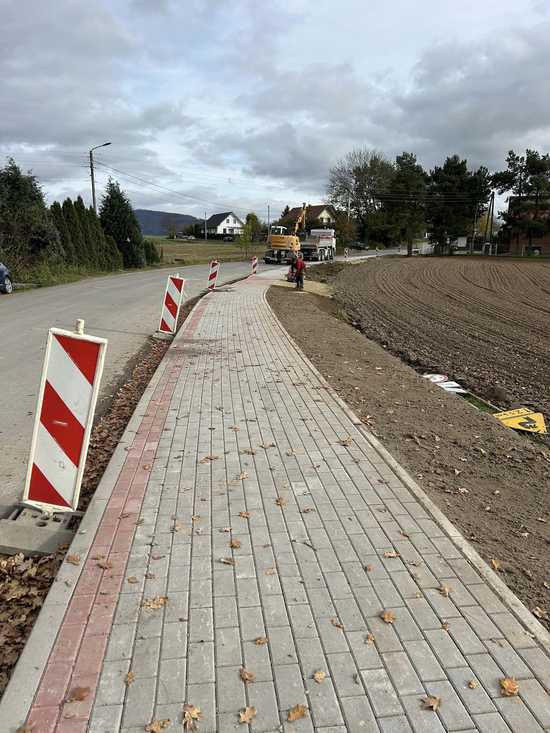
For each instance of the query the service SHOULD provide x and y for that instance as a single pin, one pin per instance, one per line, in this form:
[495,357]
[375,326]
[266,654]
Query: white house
[226,223]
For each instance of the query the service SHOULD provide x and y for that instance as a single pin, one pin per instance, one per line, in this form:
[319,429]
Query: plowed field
[485,323]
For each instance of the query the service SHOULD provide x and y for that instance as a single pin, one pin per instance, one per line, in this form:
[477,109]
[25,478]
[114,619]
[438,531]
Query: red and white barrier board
[72,370]
[254,263]
[171,304]
[213,274]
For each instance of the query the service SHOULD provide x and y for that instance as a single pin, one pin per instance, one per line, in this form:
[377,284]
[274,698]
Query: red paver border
[78,651]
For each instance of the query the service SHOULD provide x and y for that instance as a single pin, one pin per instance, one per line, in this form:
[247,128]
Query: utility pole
[349,201]
[205,226]
[103,145]
[474,231]
[492,217]
[268,218]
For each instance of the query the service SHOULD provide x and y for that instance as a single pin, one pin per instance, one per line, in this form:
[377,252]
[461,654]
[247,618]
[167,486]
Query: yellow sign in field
[522,419]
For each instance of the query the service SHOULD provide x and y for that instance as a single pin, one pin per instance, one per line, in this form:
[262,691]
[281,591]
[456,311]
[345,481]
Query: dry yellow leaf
[445,626]
[509,686]
[77,694]
[265,446]
[191,715]
[347,441]
[73,559]
[445,590]
[244,515]
[391,553]
[246,676]
[387,616]
[335,622]
[260,640]
[27,728]
[247,714]
[369,568]
[130,677]
[235,544]
[432,702]
[280,501]
[147,467]
[132,579]
[104,564]
[319,676]
[472,684]
[495,564]
[157,726]
[369,638]
[539,612]
[195,517]
[270,571]
[297,713]
[243,475]
[155,602]
[235,428]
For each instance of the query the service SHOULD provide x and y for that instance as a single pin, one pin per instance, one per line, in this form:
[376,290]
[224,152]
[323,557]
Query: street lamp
[103,145]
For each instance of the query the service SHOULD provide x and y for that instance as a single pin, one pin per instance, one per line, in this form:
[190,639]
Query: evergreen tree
[75,232]
[61,225]
[115,255]
[119,221]
[27,231]
[405,200]
[90,244]
[103,256]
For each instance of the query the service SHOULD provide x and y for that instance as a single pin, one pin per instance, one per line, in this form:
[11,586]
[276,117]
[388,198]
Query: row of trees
[42,242]
[396,201]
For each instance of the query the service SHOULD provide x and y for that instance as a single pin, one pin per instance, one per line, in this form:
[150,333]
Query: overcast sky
[214,105]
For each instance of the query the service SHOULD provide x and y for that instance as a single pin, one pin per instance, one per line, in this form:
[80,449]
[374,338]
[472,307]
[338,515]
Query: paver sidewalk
[242,444]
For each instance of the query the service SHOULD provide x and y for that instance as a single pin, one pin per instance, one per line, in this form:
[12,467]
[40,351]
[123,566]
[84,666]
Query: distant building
[225,223]
[527,227]
[320,214]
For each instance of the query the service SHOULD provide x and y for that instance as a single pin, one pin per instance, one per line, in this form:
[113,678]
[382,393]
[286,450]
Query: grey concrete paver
[250,422]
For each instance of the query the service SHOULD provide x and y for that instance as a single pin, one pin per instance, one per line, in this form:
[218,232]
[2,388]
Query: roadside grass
[199,252]
[46,274]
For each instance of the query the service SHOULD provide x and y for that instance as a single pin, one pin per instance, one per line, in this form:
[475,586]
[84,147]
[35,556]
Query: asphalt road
[122,308]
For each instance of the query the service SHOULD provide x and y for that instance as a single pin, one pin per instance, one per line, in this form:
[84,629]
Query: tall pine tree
[90,243]
[61,225]
[75,231]
[119,221]
[103,257]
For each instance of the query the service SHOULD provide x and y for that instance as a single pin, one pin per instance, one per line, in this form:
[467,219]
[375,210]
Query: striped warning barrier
[213,274]
[66,402]
[254,265]
[171,304]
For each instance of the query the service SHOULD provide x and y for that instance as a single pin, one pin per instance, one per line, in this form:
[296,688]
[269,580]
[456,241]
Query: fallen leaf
[346,441]
[432,702]
[270,571]
[195,517]
[243,475]
[280,501]
[387,616]
[472,684]
[155,602]
[307,510]
[319,676]
[244,515]
[235,544]
[369,568]
[249,451]
[335,622]
[369,638]
[247,714]
[539,612]
[291,453]
[157,726]
[104,564]
[297,713]
[265,446]
[495,564]
[150,576]
[509,686]
[130,677]
[445,590]
[391,553]
[132,579]
[235,428]
[445,626]
[177,526]
[146,466]
[139,522]
[260,640]
[73,559]
[246,676]
[77,694]
[191,715]
[227,560]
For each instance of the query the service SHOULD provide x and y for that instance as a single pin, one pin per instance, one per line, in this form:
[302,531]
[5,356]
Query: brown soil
[490,482]
[25,581]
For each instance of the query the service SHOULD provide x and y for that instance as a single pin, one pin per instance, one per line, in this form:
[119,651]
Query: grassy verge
[45,274]
[199,252]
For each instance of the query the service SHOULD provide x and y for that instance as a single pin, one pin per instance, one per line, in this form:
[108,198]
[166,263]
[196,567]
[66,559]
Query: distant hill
[158,222]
